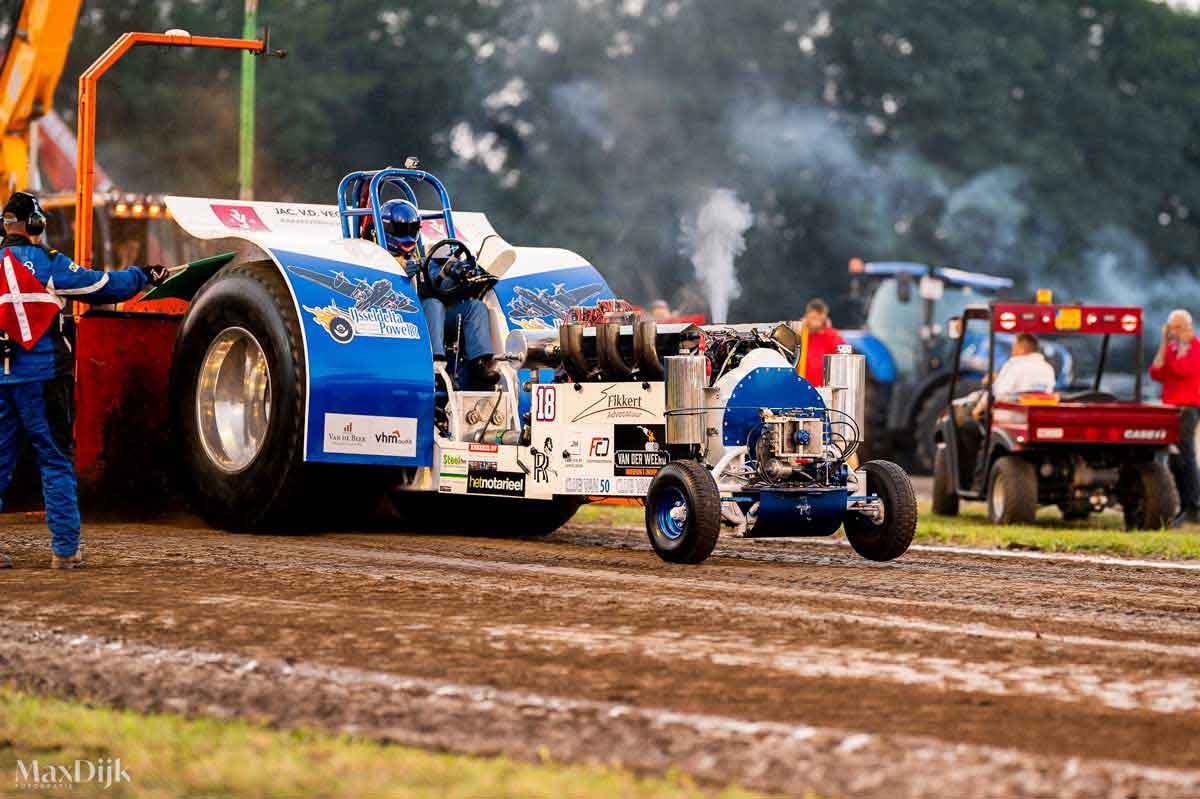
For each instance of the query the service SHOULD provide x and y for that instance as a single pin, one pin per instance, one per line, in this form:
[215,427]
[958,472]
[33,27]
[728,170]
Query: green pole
[246,141]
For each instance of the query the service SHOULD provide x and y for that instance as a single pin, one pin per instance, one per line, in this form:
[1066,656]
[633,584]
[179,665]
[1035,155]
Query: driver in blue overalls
[402,230]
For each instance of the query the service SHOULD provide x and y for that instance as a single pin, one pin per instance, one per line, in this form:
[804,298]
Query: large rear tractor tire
[237,408]
[1151,499]
[924,427]
[945,495]
[1012,492]
[683,512]
[891,537]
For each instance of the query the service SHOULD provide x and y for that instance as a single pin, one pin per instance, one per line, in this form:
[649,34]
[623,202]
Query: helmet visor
[402,230]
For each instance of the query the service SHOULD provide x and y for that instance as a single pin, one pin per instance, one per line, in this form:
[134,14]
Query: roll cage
[358,200]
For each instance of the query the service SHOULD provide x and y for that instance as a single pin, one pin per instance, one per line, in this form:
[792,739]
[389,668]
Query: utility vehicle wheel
[1151,499]
[1075,511]
[945,497]
[683,512]
[924,427]
[237,405]
[889,538]
[505,518]
[1012,492]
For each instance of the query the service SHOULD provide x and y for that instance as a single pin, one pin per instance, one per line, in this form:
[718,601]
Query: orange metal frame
[86,175]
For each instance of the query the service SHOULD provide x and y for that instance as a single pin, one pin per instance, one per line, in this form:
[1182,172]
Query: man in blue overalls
[402,229]
[37,378]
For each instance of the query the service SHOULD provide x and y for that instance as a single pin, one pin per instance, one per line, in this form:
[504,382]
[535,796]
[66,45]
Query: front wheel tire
[683,512]
[1012,492]
[890,538]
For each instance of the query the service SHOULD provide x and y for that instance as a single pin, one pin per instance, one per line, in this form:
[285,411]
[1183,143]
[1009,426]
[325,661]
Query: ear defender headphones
[35,221]
[36,224]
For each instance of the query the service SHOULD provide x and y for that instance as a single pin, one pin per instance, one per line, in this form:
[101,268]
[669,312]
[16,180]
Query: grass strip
[168,757]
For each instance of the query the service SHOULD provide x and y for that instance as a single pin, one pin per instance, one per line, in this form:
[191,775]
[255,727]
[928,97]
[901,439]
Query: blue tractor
[305,388]
[905,309]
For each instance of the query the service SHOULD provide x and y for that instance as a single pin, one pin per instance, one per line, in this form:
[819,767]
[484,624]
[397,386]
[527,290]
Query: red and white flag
[26,307]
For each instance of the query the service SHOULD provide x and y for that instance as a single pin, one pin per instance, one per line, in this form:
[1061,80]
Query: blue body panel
[541,300]
[880,364]
[777,388]
[786,514]
[368,355]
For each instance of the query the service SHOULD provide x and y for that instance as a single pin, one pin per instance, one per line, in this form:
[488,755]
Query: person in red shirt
[822,340]
[1177,367]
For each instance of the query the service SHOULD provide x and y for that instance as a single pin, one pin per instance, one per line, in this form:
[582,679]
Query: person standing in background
[1177,367]
[822,340]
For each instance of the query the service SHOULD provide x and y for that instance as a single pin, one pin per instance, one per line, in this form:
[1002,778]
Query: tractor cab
[1083,450]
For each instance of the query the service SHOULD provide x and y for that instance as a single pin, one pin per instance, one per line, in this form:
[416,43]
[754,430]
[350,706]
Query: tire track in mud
[792,758]
[962,653]
[1045,624]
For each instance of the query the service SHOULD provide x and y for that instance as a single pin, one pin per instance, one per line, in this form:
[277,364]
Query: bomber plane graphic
[530,304]
[380,294]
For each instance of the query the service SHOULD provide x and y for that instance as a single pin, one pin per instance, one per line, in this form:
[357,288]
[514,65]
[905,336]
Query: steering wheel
[458,269]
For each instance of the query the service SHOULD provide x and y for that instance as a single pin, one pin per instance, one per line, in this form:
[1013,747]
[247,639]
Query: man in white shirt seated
[1026,371]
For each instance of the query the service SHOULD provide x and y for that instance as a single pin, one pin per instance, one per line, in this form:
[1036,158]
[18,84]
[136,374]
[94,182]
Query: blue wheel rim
[670,505]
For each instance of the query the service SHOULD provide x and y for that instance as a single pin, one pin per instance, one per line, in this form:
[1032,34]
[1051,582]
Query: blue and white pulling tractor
[303,387]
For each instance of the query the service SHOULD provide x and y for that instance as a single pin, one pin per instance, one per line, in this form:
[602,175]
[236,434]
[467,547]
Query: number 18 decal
[544,404]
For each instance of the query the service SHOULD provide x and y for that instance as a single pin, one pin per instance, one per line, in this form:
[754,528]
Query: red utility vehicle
[1083,451]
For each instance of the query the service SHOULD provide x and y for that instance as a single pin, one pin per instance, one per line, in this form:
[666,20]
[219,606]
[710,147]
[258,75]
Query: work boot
[70,562]
[482,373]
[5,561]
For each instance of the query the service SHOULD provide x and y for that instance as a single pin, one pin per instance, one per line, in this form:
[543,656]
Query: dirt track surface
[784,665]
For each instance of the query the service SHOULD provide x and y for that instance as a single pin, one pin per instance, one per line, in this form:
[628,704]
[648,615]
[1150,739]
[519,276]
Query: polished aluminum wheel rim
[233,399]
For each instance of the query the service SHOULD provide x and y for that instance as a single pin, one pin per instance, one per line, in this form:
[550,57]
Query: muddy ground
[784,666]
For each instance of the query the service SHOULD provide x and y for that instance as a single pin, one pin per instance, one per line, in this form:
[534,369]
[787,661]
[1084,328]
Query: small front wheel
[1012,492]
[889,537]
[683,512]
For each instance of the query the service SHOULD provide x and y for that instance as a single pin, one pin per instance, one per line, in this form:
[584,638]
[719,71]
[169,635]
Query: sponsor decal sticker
[639,452]
[1145,435]
[615,404]
[541,462]
[353,434]
[494,482]
[599,448]
[600,486]
[453,465]
[239,217]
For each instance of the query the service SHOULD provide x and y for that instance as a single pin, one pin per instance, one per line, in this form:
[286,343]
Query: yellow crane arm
[34,63]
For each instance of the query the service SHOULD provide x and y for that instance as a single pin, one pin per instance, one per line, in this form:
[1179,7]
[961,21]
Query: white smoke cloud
[713,237]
